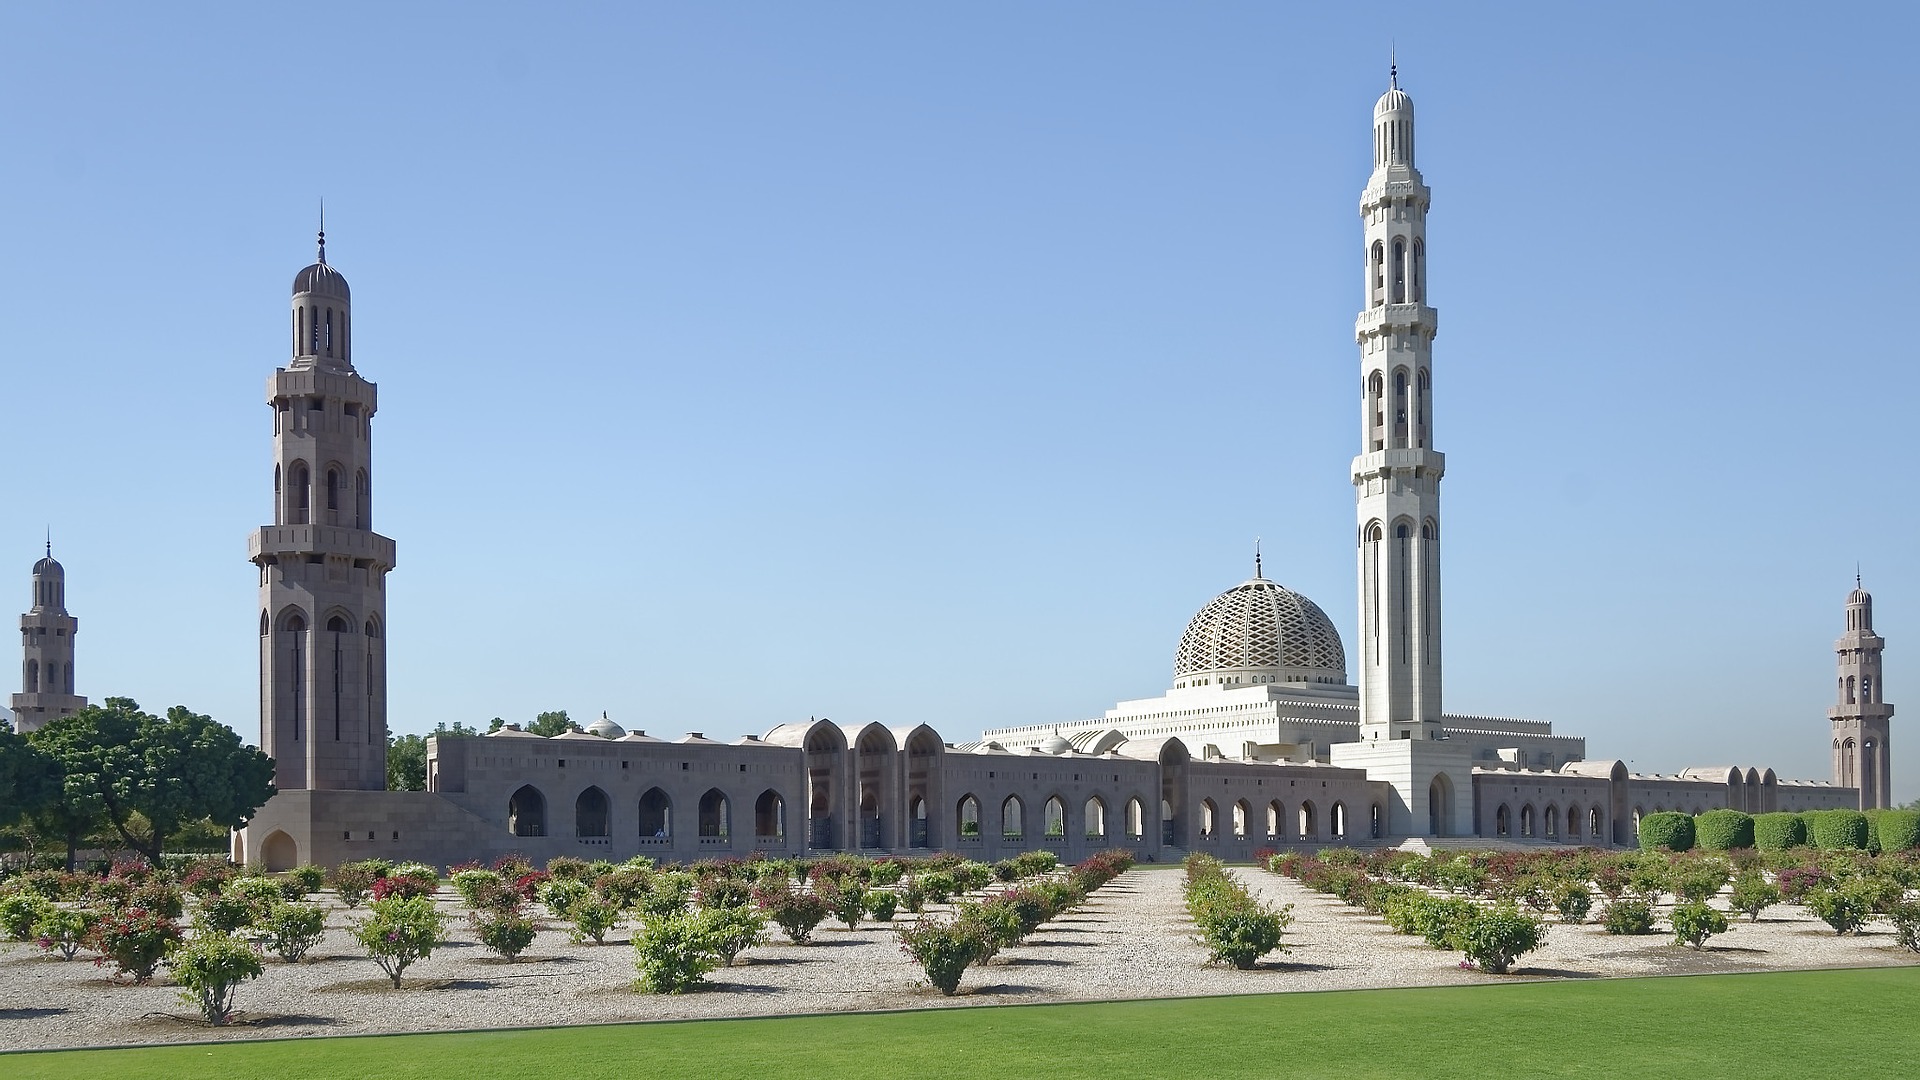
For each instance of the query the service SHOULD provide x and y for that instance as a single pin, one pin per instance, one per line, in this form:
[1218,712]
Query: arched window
[1399,271]
[1866,689]
[1423,409]
[1241,813]
[1850,690]
[770,815]
[1573,822]
[264,624]
[1503,821]
[1209,819]
[1553,822]
[716,815]
[362,502]
[1419,271]
[1376,411]
[1594,829]
[1056,811]
[656,814]
[1276,820]
[1379,272]
[326,337]
[1011,825]
[1526,820]
[1400,409]
[33,676]
[1136,825]
[967,818]
[1339,821]
[1095,813]
[1309,829]
[590,813]
[527,812]
[1376,824]
[298,493]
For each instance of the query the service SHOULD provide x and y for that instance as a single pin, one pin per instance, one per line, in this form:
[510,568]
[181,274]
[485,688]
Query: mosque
[1272,732]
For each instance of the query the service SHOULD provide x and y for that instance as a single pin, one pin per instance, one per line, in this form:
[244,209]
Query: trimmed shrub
[1666,831]
[672,952]
[1778,832]
[667,893]
[796,913]
[507,932]
[482,888]
[291,929]
[225,913]
[400,931]
[134,941]
[912,896]
[568,868]
[211,969]
[1897,830]
[561,893]
[1573,901]
[1699,879]
[1839,830]
[1627,916]
[1723,830]
[63,929]
[881,904]
[1753,893]
[972,876]
[1695,921]
[20,912]
[310,879]
[716,891]
[1496,937]
[938,886]
[1235,927]
[1796,881]
[944,948]
[845,897]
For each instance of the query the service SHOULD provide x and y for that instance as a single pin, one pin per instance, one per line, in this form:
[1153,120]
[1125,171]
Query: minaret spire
[1393,66]
[1256,558]
[322,260]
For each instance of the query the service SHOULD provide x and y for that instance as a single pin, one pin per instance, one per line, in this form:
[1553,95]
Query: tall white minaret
[323,570]
[46,639]
[1396,478]
[1860,715]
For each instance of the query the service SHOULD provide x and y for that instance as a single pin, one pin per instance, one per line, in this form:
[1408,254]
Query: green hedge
[1897,830]
[1723,830]
[1667,831]
[1839,830]
[1778,832]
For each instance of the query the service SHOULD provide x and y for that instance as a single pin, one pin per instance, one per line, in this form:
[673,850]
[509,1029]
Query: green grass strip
[1857,1023]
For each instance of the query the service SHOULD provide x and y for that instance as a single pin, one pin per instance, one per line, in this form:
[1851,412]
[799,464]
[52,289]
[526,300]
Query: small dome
[1857,596]
[322,280]
[47,567]
[606,728]
[1055,744]
[1393,101]
[1262,627]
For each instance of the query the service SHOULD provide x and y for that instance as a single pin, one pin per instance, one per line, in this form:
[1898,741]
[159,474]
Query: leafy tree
[119,762]
[406,762]
[551,723]
[29,779]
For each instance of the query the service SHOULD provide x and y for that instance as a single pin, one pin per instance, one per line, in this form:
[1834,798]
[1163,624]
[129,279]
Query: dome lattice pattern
[1260,624]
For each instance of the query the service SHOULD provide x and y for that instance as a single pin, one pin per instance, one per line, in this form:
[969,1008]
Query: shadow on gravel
[1557,973]
[757,961]
[1035,961]
[1062,944]
[278,1020]
[528,961]
[1003,990]
[734,988]
[28,1014]
[361,986]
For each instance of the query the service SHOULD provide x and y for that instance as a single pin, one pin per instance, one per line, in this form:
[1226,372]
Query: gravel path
[1132,940]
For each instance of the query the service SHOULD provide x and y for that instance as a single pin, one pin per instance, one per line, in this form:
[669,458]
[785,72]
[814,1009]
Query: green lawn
[1856,1023]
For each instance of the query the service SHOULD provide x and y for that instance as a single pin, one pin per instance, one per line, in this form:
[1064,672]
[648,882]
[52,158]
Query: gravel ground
[1132,940]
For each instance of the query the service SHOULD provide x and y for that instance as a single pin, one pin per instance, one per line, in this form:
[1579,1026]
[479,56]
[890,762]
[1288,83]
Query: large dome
[1260,631]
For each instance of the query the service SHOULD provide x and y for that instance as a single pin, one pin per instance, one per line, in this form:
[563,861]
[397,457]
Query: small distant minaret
[46,637]
[1860,714]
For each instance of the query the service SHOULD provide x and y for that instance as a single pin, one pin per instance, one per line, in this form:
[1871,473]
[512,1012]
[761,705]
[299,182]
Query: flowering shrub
[483,889]
[512,867]
[568,868]
[667,893]
[211,969]
[1496,937]
[291,929]
[1844,906]
[718,891]
[206,876]
[64,929]
[401,888]
[309,879]
[1694,922]
[881,904]
[224,913]
[845,897]
[971,876]
[944,948]
[885,872]
[399,931]
[352,883]
[1797,881]
[158,897]
[937,885]
[912,896]
[733,930]
[796,913]
[133,940]
[560,894]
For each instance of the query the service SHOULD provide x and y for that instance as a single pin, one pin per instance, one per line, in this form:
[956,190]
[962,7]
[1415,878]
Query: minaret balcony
[280,540]
[1375,320]
[1426,462]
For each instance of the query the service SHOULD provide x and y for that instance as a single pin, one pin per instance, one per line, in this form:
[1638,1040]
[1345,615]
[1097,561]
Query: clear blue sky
[740,363]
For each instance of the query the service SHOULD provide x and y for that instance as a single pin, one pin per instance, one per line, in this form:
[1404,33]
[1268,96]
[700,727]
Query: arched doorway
[770,816]
[527,812]
[1440,806]
[279,852]
[590,813]
[656,815]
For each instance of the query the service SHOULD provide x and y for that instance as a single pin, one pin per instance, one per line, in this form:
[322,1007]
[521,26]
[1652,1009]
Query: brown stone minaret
[46,639]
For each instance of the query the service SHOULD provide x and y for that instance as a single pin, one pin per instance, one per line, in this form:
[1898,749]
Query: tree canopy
[116,762]
[407,755]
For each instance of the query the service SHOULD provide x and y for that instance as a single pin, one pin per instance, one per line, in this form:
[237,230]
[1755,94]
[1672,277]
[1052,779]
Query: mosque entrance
[1439,805]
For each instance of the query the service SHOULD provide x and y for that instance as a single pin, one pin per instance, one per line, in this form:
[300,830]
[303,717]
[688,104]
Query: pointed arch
[1242,819]
[527,812]
[1136,819]
[656,814]
[770,816]
[716,815]
[966,817]
[1209,819]
[1055,818]
[591,814]
[1012,819]
[1094,817]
